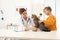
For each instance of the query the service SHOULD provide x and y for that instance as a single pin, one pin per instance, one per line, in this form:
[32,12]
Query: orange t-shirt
[51,22]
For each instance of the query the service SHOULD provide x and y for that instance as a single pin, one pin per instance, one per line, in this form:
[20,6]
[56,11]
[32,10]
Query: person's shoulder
[52,17]
[29,17]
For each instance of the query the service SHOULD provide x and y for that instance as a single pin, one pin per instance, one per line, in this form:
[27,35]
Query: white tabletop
[30,34]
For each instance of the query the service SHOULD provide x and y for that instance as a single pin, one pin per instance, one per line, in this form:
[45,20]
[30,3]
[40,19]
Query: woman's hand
[33,28]
[27,28]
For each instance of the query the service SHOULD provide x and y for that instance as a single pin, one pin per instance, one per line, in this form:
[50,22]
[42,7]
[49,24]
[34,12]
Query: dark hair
[48,8]
[21,10]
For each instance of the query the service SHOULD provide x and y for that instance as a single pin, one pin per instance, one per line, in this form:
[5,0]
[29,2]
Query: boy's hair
[21,10]
[48,8]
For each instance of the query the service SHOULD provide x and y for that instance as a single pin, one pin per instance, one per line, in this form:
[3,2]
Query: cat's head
[34,17]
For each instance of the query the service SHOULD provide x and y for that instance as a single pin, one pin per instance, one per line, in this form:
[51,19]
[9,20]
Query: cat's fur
[41,25]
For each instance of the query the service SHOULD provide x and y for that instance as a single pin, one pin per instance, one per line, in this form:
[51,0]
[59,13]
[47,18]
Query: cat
[41,25]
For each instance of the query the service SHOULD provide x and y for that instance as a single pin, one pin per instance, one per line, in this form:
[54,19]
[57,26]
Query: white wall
[58,14]
[8,8]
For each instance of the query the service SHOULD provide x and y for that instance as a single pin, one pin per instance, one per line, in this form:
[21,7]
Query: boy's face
[46,11]
[24,14]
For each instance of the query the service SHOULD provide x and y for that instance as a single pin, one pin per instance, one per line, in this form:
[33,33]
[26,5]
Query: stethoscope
[29,20]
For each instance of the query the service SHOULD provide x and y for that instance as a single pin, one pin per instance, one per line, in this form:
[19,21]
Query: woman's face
[24,14]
